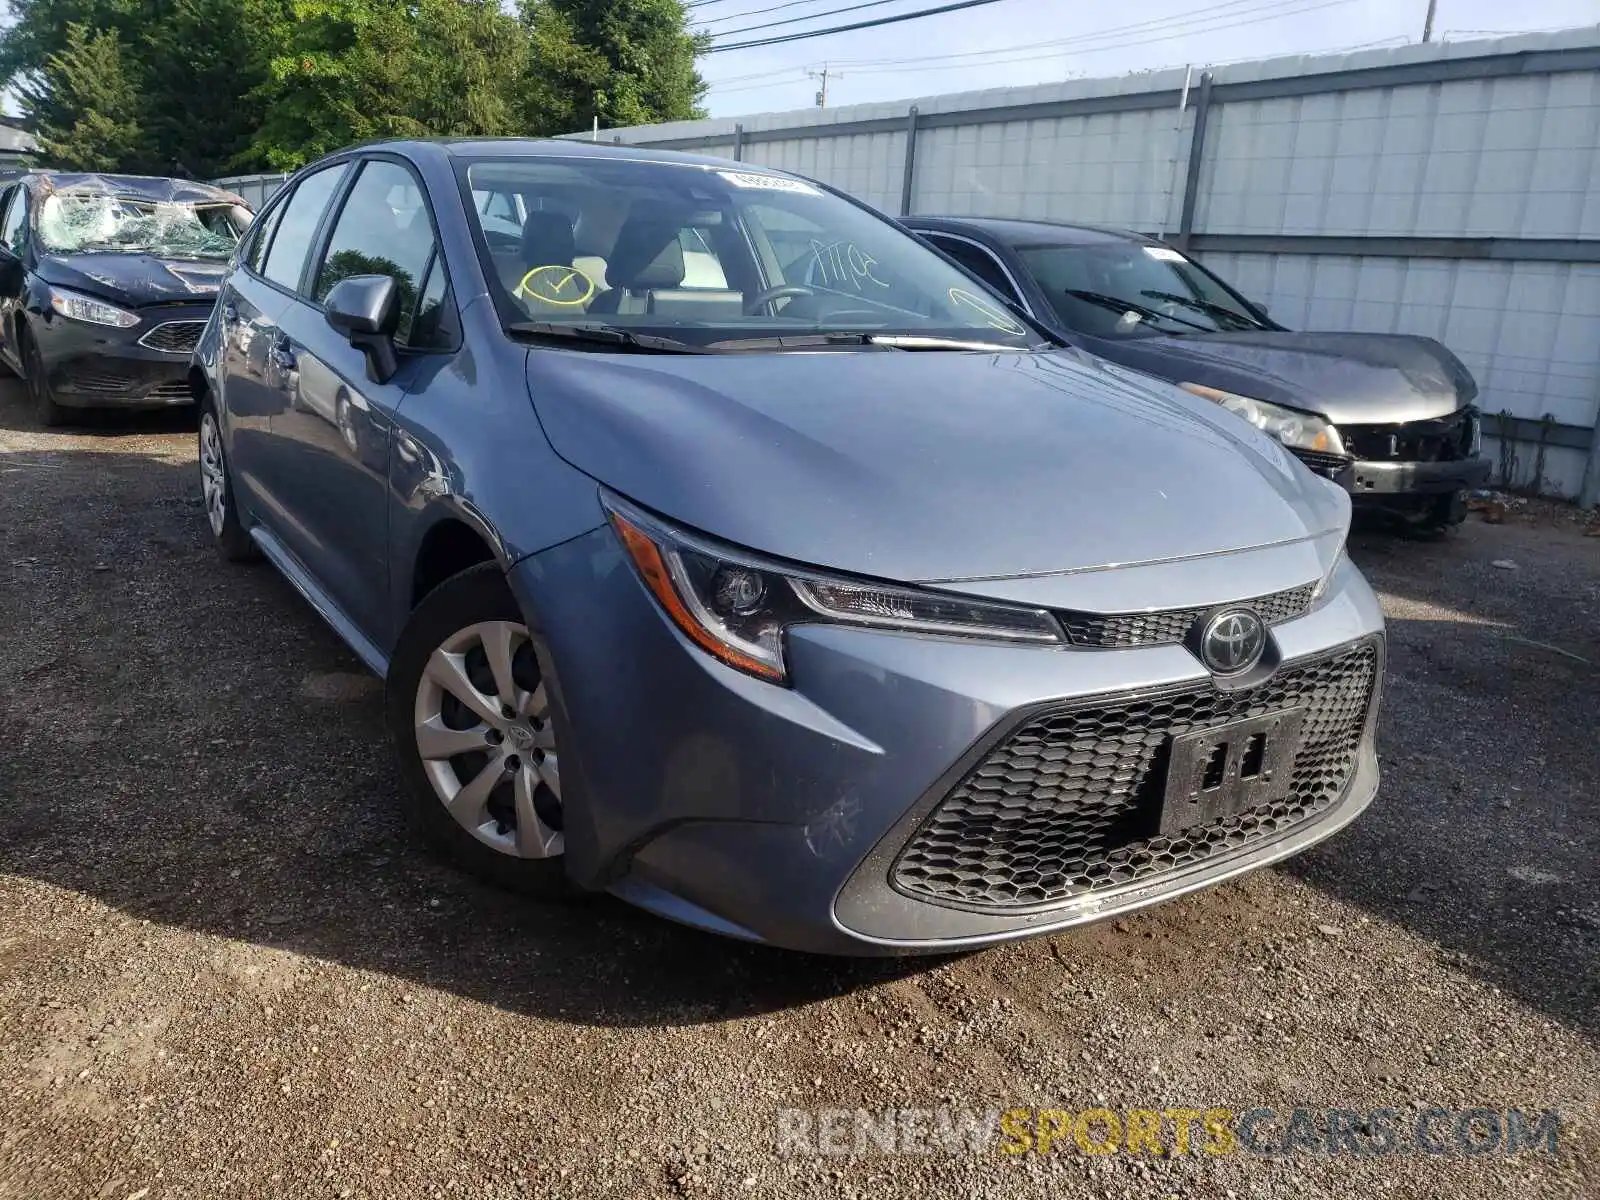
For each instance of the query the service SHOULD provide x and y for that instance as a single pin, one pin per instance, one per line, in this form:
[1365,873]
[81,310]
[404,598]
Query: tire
[50,414]
[229,536]
[502,774]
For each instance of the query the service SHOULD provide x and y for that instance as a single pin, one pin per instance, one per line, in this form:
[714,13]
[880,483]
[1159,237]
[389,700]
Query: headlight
[738,607]
[1297,430]
[87,308]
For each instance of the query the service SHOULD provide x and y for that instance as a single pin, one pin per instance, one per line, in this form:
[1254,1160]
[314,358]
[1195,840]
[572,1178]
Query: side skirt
[365,648]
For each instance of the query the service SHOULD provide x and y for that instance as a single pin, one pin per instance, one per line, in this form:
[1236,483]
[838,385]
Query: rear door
[334,432]
[271,263]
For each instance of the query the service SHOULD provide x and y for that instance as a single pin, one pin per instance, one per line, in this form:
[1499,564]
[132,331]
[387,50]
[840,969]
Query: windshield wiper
[608,335]
[1126,306]
[1206,306]
[793,341]
[921,341]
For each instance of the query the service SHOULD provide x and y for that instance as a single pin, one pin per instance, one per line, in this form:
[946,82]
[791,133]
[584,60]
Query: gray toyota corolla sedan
[726,549]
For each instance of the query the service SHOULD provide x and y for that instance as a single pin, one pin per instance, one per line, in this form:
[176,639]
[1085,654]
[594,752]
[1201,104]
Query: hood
[132,280]
[928,466]
[1351,378]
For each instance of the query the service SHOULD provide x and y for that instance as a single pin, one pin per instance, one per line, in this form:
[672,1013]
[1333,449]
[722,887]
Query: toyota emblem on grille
[1233,641]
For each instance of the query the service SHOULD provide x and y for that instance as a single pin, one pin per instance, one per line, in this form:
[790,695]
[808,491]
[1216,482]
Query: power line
[832,12]
[1203,16]
[1214,20]
[815,33]
[768,80]
[1202,21]
[756,12]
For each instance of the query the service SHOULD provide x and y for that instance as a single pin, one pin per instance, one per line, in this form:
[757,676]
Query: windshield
[1126,289]
[80,221]
[705,254]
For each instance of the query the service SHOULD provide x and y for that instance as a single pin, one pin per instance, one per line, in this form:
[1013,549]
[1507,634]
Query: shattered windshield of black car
[74,222]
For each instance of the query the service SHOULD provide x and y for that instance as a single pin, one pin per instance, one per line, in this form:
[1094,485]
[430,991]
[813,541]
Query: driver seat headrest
[647,255]
[547,240]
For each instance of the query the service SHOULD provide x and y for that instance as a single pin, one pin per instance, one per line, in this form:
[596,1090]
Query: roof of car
[568,148]
[142,187]
[1014,232]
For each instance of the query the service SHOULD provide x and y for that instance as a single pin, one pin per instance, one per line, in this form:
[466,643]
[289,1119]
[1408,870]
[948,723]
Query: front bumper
[96,366]
[775,814]
[1418,478]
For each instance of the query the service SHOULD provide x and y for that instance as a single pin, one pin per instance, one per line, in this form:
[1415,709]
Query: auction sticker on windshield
[767,183]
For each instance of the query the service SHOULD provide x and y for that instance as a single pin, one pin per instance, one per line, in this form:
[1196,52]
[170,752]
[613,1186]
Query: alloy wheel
[213,473]
[487,743]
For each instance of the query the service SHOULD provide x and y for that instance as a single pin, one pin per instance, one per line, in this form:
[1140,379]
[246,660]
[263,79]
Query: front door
[334,426]
[250,306]
[13,271]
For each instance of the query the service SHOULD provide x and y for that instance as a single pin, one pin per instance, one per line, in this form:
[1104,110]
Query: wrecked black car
[1390,416]
[105,284]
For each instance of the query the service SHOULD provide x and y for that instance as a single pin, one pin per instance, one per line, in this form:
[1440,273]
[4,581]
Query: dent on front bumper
[774,814]
[93,366]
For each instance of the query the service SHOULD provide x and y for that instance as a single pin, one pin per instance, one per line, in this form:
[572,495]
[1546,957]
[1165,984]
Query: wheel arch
[456,540]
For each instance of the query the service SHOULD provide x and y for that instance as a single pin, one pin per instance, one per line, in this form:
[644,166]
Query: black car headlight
[1295,429]
[737,606]
[78,307]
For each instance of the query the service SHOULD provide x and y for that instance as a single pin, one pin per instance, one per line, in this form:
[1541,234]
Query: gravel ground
[226,971]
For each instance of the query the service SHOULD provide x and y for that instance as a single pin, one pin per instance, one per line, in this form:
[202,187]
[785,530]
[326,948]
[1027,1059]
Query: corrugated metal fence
[1450,190]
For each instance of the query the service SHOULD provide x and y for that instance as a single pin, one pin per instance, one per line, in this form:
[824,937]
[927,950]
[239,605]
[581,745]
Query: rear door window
[297,228]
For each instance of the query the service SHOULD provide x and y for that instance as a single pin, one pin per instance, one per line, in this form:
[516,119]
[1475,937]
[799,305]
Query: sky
[1010,43]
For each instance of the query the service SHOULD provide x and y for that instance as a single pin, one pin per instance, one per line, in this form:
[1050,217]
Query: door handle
[230,314]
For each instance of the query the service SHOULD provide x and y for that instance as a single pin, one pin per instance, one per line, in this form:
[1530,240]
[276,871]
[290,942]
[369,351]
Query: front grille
[1068,803]
[174,337]
[1170,626]
[1447,439]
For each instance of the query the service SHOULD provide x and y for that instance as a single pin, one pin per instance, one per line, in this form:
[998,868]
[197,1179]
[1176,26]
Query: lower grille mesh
[1066,805]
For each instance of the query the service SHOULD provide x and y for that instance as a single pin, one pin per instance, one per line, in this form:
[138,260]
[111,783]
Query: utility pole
[822,78]
[1427,21]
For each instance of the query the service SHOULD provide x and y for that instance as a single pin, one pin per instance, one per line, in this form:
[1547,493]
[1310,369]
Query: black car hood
[135,279]
[1352,378]
[927,466]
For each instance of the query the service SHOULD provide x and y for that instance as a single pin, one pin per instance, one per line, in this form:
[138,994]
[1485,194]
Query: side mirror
[366,310]
[1260,308]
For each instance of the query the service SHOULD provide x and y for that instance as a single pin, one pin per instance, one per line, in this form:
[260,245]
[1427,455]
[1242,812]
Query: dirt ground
[225,970]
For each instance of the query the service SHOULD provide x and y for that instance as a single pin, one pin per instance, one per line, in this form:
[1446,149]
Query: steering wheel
[753,305]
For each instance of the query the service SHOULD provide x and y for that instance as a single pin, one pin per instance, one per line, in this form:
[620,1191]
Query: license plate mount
[1220,772]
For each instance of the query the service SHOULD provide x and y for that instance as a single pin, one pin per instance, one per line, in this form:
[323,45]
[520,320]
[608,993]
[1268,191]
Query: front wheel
[470,713]
[50,413]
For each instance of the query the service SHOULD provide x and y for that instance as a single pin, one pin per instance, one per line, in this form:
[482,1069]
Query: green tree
[189,64]
[204,87]
[85,104]
[627,62]
[198,67]
[354,70]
